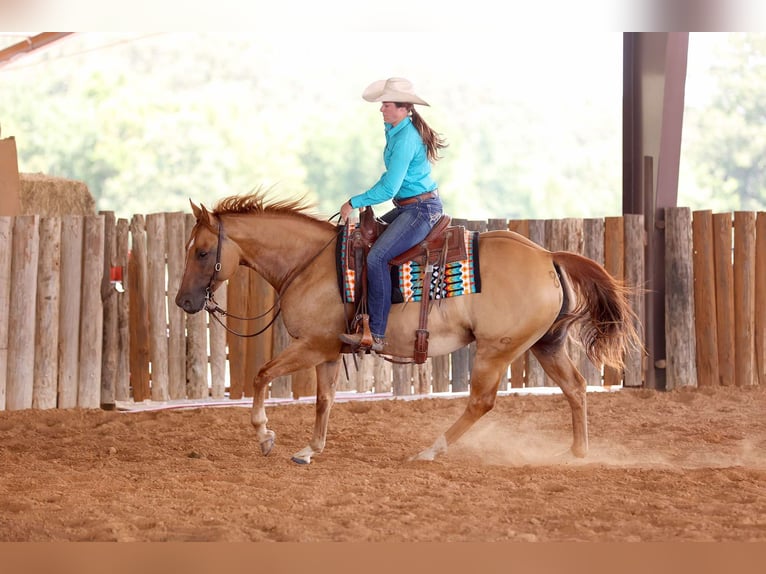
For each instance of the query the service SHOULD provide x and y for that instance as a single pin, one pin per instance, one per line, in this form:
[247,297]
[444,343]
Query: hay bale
[45,195]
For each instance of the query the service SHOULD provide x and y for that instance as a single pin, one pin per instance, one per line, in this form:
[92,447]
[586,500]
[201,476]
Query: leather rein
[214,309]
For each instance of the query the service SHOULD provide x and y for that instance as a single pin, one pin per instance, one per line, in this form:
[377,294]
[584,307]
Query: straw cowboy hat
[392,90]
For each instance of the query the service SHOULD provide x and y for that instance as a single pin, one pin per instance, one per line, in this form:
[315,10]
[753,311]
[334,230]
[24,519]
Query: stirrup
[357,342]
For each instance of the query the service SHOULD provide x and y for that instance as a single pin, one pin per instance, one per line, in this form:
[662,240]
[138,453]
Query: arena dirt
[679,466]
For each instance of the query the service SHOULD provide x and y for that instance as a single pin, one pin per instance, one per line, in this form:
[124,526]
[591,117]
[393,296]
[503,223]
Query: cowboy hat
[392,90]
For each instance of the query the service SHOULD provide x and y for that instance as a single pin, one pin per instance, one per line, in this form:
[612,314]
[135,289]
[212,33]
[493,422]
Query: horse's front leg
[327,374]
[293,358]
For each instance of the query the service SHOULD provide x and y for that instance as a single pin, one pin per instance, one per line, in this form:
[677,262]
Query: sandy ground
[678,466]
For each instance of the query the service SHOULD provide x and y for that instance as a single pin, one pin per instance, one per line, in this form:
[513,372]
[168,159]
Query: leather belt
[414,198]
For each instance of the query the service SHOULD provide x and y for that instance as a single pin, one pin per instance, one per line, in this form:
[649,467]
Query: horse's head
[211,258]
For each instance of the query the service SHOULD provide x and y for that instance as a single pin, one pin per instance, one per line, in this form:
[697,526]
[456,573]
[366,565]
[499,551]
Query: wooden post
[72,227]
[158,323]
[421,375]
[724,295]
[110,345]
[21,345]
[635,268]
[44,391]
[402,379]
[760,302]
[139,311]
[384,375]
[236,299]
[281,386]
[593,248]
[364,377]
[744,297]
[91,314]
[614,263]
[122,379]
[6,249]
[176,241]
[679,300]
[217,334]
[260,349]
[10,186]
[196,342]
[440,367]
[704,299]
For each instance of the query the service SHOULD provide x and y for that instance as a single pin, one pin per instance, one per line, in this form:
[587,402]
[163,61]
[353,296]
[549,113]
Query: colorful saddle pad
[458,278]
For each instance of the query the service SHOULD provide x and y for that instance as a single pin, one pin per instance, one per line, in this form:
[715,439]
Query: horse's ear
[195,210]
[206,217]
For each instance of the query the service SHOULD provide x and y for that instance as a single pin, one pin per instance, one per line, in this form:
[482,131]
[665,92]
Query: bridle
[214,309]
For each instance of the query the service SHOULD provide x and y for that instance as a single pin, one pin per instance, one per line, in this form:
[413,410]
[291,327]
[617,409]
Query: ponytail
[432,140]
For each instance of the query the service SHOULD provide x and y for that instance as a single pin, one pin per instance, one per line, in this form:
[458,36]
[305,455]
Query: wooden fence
[87,312]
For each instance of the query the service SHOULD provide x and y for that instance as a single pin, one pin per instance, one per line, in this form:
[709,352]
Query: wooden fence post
[139,311]
[402,379]
[635,255]
[614,262]
[593,247]
[744,297]
[760,302]
[384,375]
[110,344]
[6,249]
[91,314]
[724,295]
[176,257]
[196,342]
[280,386]
[72,227]
[704,299]
[21,316]
[236,298]
[158,323]
[217,334]
[679,300]
[122,379]
[45,387]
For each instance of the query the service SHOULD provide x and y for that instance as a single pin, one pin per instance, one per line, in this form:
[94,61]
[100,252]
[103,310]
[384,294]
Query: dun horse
[530,298]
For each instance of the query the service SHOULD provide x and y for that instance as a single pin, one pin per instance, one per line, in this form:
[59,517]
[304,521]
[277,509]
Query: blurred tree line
[150,124]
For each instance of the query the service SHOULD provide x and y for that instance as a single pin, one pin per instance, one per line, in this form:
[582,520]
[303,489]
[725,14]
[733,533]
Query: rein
[214,309]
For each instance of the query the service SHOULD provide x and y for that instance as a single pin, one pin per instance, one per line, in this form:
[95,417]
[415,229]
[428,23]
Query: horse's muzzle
[190,306]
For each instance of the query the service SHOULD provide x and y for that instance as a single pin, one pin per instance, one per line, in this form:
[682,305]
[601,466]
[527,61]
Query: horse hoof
[425,455]
[267,445]
[298,460]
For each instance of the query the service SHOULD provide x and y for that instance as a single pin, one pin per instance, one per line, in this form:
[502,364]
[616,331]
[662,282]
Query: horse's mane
[260,202]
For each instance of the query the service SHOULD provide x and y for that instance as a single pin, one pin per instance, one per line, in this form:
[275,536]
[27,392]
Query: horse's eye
[201,254]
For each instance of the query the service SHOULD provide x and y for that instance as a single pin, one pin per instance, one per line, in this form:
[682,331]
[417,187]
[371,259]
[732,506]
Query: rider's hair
[433,140]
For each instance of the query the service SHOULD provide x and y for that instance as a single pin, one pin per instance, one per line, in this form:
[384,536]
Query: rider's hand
[345,211]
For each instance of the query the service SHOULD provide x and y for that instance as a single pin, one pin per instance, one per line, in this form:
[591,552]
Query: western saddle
[445,243]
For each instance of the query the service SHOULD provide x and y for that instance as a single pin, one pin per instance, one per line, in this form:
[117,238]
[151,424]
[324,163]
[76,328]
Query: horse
[530,299]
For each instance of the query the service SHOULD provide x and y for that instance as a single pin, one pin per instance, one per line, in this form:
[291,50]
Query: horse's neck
[277,246]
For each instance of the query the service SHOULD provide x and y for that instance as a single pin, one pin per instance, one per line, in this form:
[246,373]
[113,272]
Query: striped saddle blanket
[407,280]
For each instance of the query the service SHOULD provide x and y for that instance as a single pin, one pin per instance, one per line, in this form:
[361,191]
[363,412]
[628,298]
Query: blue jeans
[407,226]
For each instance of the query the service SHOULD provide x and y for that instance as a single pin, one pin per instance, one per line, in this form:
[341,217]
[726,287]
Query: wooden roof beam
[29,45]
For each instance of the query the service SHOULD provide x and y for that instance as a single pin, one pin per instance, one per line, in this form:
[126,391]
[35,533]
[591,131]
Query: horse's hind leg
[558,366]
[327,373]
[485,378]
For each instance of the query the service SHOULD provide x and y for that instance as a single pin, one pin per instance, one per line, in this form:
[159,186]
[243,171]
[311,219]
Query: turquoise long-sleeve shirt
[408,171]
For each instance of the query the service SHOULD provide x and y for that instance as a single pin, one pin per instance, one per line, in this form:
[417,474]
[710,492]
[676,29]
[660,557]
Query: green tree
[728,136]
